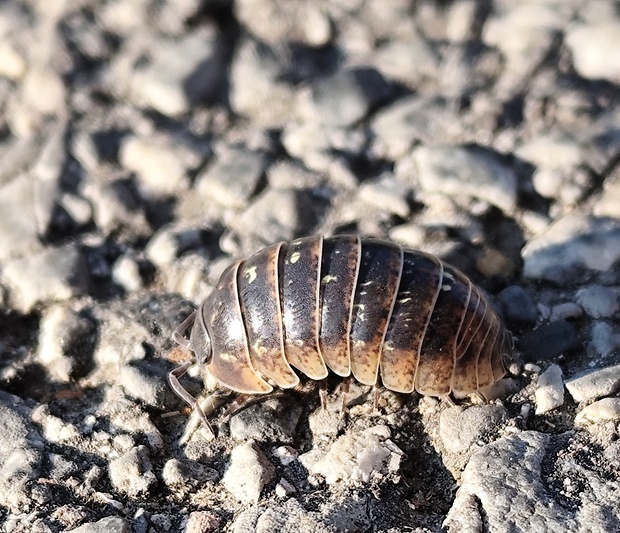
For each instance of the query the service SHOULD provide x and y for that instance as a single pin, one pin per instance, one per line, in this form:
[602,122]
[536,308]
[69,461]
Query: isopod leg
[178,334]
[344,393]
[323,393]
[175,384]
[243,401]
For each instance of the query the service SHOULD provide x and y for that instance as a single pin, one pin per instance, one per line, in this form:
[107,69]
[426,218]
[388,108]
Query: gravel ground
[145,144]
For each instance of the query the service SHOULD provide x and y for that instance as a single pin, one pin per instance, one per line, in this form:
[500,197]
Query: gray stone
[608,203]
[55,274]
[549,390]
[180,73]
[279,215]
[592,384]
[589,45]
[548,342]
[132,473]
[315,144]
[306,21]
[598,301]
[271,420]
[161,162]
[565,310]
[466,171]
[393,58]
[21,455]
[291,175]
[605,410]
[605,340]
[147,381]
[186,475]
[170,242]
[347,96]
[356,457]
[117,206]
[110,524]
[460,429]
[518,305]
[248,472]
[48,102]
[233,177]
[258,88]
[504,487]
[19,226]
[66,343]
[126,273]
[288,516]
[126,327]
[571,243]
[127,416]
[386,194]
[203,522]
[399,126]
[558,151]
[524,33]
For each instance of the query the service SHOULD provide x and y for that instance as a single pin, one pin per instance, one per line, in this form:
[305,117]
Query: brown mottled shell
[361,307]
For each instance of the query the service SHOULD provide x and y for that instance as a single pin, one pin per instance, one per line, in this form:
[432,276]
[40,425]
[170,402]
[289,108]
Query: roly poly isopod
[362,307]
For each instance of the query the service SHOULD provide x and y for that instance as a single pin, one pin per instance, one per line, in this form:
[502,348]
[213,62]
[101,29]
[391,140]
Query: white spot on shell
[328,279]
[250,274]
[294,258]
[258,347]
[235,330]
[225,356]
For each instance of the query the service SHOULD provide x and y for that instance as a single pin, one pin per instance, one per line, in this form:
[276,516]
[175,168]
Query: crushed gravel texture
[147,144]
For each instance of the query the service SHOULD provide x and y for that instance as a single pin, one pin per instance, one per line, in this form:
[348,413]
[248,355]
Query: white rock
[565,310]
[591,46]
[248,472]
[358,457]
[601,411]
[598,301]
[593,384]
[550,390]
[160,162]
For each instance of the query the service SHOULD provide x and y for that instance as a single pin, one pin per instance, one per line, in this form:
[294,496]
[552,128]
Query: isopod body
[362,307]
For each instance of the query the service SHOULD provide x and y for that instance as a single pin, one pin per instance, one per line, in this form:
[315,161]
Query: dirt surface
[146,145]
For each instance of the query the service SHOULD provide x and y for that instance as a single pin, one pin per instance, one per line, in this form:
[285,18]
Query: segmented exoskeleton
[362,307]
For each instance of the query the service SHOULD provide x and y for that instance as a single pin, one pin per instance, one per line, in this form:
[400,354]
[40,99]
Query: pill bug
[365,308]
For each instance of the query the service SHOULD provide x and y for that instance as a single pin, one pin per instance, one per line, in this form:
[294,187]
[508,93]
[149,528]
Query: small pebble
[460,428]
[572,243]
[284,488]
[286,454]
[518,305]
[548,342]
[549,390]
[565,310]
[592,384]
[598,301]
[56,274]
[132,473]
[66,342]
[126,273]
[185,474]
[110,524]
[202,522]
[248,472]
[357,457]
[605,340]
[607,409]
